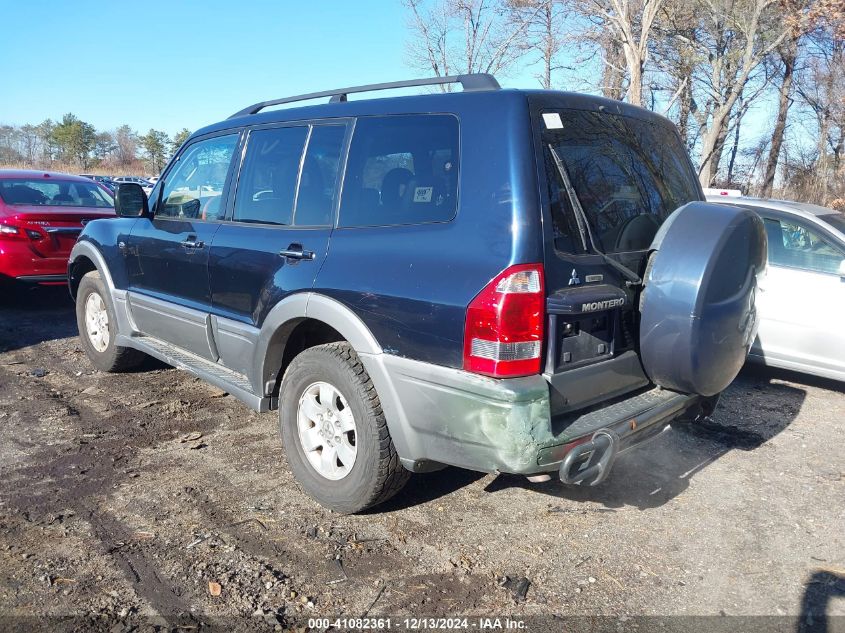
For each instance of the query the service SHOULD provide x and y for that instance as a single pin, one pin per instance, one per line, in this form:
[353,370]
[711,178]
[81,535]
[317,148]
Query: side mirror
[130,201]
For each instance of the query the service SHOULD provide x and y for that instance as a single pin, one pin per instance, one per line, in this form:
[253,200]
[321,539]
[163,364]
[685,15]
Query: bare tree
[788,56]
[614,75]
[830,15]
[543,25]
[676,58]
[627,26]
[733,38]
[30,143]
[48,147]
[803,17]
[822,90]
[127,145]
[463,36]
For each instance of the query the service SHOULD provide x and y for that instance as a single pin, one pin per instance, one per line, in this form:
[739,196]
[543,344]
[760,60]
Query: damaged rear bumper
[438,415]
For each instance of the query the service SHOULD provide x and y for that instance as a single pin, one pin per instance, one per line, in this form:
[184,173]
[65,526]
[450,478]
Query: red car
[41,215]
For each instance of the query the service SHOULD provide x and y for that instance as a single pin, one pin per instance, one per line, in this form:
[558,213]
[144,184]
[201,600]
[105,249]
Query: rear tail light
[8,231]
[16,230]
[503,336]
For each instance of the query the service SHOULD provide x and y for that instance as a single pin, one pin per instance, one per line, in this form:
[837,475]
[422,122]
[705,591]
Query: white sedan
[802,299]
[146,185]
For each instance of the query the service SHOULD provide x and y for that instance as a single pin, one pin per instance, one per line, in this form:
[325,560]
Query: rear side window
[793,245]
[315,198]
[401,170]
[627,174]
[267,184]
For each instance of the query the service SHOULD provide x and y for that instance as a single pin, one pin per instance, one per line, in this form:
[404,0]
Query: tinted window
[627,174]
[401,170]
[318,183]
[795,246]
[55,193]
[267,184]
[836,220]
[194,187]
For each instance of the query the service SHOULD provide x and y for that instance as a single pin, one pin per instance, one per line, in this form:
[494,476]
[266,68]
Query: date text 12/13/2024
[417,624]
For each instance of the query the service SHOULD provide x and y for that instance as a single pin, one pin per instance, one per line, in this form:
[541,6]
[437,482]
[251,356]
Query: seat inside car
[394,187]
[21,194]
[313,205]
[273,207]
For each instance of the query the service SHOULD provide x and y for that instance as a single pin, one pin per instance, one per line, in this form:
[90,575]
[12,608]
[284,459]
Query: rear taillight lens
[8,231]
[15,230]
[503,336]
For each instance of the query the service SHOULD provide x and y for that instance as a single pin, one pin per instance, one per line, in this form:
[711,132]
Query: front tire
[95,318]
[334,431]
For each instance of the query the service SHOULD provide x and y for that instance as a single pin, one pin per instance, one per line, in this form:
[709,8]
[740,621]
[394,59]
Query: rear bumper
[19,261]
[447,416]
[589,459]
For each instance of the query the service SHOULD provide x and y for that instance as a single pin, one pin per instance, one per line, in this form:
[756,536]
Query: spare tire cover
[698,314]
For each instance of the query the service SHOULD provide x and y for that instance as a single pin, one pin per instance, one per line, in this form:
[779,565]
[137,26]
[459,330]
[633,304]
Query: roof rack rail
[471,82]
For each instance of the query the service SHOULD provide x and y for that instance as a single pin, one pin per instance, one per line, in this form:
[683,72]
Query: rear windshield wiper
[633,279]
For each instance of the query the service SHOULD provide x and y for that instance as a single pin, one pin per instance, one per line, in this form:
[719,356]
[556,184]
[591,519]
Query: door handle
[295,251]
[193,243]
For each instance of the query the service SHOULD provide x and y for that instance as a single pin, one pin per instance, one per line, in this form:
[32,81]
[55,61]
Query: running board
[229,381]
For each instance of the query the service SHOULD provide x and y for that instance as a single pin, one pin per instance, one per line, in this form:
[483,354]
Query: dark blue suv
[507,281]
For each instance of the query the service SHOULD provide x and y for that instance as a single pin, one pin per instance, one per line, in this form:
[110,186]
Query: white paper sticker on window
[552,120]
[423,194]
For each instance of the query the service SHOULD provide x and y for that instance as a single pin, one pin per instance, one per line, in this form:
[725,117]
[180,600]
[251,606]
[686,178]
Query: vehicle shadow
[774,373]
[822,586]
[427,487]
[753,410]
[32,315]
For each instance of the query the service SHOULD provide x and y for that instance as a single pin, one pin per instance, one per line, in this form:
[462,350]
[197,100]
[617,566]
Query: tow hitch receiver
[589,463]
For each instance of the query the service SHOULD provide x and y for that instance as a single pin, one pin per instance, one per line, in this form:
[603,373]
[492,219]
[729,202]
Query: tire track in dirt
[73,476]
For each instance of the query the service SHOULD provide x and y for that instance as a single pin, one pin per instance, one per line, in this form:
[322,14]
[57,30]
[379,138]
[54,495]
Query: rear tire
[340,451]
[95,318]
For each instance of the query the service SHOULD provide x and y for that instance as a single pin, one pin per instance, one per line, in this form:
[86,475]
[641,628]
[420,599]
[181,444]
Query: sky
[188,63]
[179,64]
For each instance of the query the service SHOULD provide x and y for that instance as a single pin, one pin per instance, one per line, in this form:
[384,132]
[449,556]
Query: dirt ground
[153,500]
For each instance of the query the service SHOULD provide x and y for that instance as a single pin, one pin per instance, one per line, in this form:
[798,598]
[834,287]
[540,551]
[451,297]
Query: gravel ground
[152,499]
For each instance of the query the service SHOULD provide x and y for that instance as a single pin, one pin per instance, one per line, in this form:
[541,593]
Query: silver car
[146,185]
[802,300]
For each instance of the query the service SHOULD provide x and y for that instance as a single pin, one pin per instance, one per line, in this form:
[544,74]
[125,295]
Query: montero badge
[595,306]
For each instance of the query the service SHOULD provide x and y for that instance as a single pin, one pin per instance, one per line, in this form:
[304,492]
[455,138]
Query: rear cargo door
[609,181]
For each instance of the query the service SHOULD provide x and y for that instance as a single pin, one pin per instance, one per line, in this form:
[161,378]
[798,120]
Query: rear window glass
[41,192]
[401,170]
[627,174]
